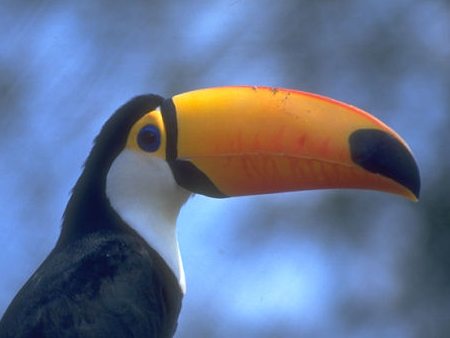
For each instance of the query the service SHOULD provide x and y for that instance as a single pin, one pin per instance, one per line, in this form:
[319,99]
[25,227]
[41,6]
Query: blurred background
[307,264]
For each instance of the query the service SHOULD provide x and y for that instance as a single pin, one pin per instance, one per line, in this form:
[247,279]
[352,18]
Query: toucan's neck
[133,194]
[142,190]
[88,209]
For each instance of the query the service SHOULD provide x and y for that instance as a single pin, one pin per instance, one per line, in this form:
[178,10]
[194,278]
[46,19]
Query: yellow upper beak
[232,141]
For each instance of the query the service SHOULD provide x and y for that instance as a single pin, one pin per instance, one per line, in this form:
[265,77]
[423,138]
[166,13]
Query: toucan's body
[116,270]
[109,284]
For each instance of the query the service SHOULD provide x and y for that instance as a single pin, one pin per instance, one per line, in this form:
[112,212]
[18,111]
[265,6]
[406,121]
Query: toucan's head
[233,141]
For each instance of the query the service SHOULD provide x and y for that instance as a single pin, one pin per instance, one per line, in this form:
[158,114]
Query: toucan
[116,269]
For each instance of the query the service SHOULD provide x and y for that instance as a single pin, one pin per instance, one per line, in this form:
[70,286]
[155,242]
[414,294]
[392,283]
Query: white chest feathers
[142,190]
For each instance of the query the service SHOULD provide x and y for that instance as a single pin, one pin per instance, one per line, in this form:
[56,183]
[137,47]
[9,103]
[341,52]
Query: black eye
[149,138]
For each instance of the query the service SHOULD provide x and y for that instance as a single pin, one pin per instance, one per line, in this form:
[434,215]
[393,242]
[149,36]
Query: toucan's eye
[149,138]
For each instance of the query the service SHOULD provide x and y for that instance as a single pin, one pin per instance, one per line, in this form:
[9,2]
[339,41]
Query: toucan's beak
[232,141]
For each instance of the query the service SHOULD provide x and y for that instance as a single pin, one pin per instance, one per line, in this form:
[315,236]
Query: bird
[116,268]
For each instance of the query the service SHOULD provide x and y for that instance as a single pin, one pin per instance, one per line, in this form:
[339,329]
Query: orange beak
[233,141]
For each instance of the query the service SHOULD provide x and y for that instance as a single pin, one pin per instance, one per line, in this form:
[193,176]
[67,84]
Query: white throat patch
[143,192]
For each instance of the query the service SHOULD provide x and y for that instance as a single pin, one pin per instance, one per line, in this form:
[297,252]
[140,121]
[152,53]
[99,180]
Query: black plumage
[101,279]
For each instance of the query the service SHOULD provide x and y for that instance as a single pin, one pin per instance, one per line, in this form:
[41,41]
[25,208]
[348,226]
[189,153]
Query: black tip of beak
[382,153]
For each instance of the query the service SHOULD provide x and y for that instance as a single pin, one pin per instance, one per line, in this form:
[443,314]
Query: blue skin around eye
[149,138]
